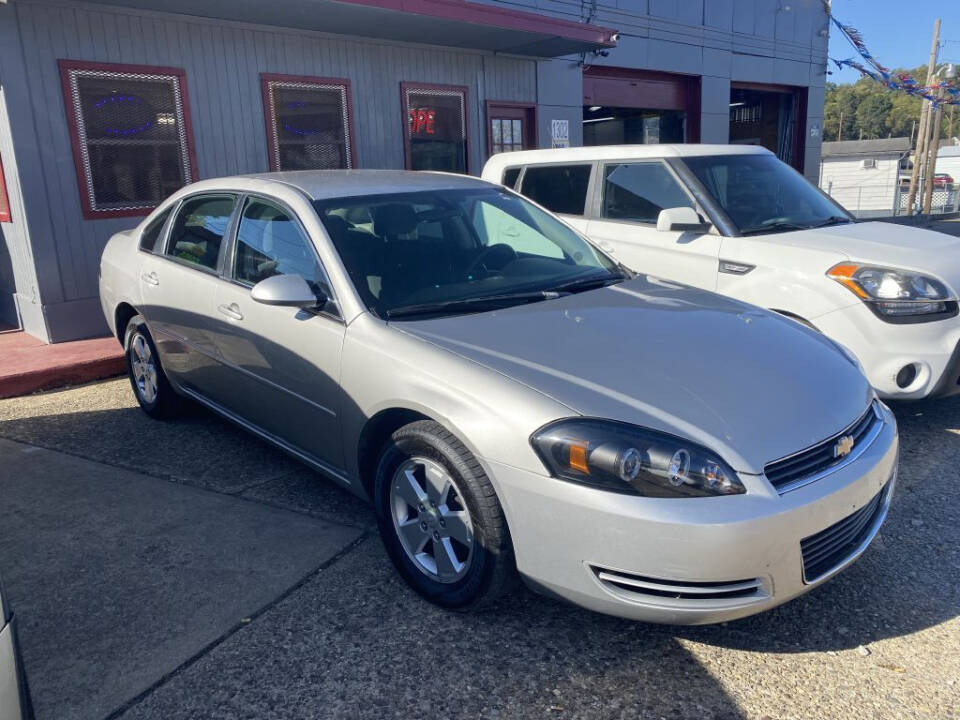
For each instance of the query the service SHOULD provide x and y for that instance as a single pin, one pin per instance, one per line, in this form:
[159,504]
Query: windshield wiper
[773,227]
[589,283]
[833,220]
[474,304]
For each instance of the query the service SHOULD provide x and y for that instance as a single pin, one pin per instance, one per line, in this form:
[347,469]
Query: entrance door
[511,127]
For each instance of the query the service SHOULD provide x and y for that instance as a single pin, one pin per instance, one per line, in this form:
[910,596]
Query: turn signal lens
[843,274]
[629,459]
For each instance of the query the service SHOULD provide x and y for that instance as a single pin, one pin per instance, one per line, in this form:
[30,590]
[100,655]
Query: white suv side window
[639,191]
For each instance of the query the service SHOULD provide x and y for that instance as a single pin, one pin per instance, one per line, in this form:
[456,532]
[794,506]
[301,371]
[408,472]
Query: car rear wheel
[440,519]
[150,385]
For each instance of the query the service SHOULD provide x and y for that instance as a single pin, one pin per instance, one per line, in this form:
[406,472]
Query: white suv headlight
[896,295]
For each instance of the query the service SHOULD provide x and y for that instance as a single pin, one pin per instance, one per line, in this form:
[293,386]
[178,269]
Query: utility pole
[919,155]
[840,128]
[933,147]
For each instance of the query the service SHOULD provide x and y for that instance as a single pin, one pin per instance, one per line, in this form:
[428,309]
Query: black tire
[166,404]
[492,568]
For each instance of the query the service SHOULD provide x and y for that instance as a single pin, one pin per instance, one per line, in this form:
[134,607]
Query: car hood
[749,384]
[885,244]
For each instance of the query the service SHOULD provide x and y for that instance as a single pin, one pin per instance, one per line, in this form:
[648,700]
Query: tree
[872,114]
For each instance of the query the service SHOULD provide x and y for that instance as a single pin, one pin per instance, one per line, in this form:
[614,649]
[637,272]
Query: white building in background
[948,161]
[863,175]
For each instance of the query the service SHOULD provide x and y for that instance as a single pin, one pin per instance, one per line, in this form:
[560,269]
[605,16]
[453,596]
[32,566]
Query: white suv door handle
[150,278]
[231,311]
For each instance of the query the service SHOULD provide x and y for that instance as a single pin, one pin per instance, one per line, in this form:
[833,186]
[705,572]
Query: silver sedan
[511,401]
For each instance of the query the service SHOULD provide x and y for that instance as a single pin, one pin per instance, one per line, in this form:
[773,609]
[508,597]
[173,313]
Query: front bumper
[885,348]
[14,698]
[686,561]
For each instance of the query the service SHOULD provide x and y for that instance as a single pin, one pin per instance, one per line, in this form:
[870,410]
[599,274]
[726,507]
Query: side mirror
[681,219]
[287,291]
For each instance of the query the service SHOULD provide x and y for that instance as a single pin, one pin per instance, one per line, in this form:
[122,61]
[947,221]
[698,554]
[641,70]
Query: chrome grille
[796,470]
[831,548]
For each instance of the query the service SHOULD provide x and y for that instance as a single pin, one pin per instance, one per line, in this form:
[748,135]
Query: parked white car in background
[736,220]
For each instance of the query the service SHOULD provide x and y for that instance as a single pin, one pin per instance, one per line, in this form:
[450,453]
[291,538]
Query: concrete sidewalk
[28,364]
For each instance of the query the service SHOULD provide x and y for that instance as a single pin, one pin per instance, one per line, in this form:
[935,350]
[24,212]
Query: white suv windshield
[453,251]
[760,194]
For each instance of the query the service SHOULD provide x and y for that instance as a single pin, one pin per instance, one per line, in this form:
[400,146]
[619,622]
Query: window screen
[308,123]
[4,198]
[436,124]
[640,191]
[560,188]
[151,236]
[506,134]
[130,134]
[198,230]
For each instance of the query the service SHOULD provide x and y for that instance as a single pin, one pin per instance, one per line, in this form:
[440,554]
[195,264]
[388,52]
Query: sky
[897,32]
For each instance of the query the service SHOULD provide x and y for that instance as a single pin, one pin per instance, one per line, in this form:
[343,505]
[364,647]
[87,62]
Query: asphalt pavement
[187,570]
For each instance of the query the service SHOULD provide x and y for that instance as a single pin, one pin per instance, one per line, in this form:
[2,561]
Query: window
[309,122]
[496,226]
[131,135]
[510,177]
[506,135]
[4,199]
[151,235]
[271,242]
[198,230]
[435,117]
[560,188]
[639,192]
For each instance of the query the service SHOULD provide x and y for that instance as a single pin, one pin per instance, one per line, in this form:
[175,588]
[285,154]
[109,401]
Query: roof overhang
[453,23]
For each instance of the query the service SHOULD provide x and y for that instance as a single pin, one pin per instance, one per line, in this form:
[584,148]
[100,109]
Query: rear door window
[510,176]
[198,230]
[151,237]
[559,188]
[639,191]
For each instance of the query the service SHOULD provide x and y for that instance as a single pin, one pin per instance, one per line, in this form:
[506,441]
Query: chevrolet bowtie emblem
[843,447]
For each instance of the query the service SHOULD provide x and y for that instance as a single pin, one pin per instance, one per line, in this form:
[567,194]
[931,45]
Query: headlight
[633,460]
[894,294]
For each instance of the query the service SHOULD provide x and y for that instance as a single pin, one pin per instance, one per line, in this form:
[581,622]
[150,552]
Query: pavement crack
[239,625]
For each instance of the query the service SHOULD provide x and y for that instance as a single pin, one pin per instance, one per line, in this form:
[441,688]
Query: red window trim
[5,215]
[273,148]
[89,212]
[404,86]
[511,104]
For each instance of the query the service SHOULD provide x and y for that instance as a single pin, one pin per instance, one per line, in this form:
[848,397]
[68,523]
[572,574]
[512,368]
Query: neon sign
[422,121]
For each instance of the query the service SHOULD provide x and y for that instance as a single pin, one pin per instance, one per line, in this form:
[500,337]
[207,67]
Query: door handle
[231,311]
[150,278]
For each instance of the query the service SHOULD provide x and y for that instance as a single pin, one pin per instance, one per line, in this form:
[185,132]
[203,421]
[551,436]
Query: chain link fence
[866,200]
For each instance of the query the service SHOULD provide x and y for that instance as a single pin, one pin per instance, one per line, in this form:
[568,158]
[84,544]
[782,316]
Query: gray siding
[222,63]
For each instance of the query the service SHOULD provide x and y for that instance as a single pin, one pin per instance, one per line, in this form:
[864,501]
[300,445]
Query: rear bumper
[687,561]
[885,348]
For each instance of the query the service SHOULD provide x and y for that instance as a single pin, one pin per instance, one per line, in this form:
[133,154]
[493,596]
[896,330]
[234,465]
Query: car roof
[618,152]
[327,184]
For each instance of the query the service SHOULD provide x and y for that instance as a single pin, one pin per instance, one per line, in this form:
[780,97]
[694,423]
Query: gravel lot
[141,559]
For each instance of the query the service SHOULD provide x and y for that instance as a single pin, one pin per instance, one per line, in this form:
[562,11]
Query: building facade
[106,108]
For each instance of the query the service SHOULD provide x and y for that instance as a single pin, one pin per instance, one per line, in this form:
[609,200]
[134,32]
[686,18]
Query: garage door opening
[771,116]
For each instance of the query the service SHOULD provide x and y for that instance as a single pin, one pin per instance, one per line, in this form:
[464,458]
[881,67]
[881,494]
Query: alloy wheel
[144,368]
[431,520]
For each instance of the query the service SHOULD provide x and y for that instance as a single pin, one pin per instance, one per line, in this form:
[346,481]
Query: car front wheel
[440,519]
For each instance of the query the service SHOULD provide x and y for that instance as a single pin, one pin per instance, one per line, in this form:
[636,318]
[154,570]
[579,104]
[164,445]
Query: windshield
[761,194]
[445,251]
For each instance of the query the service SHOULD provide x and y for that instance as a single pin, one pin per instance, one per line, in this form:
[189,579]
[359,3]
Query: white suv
[736,220]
